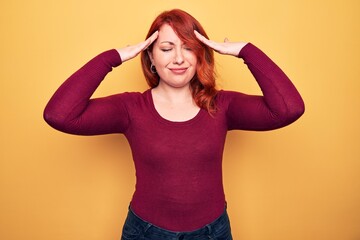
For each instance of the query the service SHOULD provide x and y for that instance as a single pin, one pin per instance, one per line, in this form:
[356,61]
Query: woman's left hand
[226,47]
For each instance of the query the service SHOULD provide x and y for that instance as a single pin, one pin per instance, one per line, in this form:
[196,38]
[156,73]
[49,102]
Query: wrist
[242,45]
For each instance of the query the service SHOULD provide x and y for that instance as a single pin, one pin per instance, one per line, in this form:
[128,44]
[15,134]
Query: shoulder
[226,96]
[226,99]
[129,97]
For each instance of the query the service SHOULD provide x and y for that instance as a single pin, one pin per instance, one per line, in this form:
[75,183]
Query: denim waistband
[153,229]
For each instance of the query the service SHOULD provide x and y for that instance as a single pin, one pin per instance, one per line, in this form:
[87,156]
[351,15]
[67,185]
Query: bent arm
[280,105]
[71,110]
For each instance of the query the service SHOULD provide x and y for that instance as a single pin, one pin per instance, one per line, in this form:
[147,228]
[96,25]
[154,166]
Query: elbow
[54,119]
[301,110]
[294,112]
[298,110]
[288,115]
[49,117]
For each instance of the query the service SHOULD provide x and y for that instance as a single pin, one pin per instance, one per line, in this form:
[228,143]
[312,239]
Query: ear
[150,55]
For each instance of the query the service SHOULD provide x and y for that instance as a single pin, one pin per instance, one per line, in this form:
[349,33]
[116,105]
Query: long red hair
[203,83]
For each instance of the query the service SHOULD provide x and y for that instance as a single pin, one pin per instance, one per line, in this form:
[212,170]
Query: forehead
[166,33]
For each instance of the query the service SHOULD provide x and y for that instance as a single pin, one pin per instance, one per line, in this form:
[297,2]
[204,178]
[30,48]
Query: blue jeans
[137,229]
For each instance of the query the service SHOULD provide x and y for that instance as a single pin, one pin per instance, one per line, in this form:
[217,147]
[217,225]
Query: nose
[179,58]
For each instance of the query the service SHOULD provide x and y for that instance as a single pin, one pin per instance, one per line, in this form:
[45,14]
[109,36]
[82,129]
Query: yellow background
[298,183]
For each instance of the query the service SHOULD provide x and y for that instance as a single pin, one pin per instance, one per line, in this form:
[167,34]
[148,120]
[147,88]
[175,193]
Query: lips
[178,70]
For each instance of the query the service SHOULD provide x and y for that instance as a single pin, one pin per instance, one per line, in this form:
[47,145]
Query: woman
[177,128]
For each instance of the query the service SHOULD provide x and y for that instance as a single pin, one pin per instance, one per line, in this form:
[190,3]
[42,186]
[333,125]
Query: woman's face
[175,62]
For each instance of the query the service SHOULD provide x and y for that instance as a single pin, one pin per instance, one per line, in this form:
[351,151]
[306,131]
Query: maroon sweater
[178,164]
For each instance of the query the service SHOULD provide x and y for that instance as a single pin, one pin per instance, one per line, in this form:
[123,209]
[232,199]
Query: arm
[72,111]
[280,105]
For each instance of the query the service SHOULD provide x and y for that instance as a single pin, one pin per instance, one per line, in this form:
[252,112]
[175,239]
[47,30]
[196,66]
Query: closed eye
[186,47]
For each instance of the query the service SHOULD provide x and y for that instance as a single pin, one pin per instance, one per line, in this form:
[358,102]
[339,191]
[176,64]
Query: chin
[177,83]
[180,85]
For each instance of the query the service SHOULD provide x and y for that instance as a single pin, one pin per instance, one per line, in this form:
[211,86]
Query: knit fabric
[178,164]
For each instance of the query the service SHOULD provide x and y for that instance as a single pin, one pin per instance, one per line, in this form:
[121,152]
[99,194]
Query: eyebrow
[169,42]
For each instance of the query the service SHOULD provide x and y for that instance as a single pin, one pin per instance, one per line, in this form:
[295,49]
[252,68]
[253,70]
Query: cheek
[191,58]
[161,59]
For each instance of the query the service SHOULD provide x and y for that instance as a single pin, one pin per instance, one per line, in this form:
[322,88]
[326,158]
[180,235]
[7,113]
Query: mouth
[178,70]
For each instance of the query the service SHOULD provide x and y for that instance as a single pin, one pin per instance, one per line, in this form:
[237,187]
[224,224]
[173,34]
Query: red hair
[203,83]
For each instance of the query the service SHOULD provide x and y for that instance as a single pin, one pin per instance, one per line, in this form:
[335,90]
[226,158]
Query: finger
[143,45]
[200,37]
[154,36]
[151,39]
[204,40]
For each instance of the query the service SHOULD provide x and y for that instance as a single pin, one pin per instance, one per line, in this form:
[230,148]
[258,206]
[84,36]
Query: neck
[173,95]
[174,104]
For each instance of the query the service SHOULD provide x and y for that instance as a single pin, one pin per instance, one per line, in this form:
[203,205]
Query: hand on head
[226,47]
[132,51]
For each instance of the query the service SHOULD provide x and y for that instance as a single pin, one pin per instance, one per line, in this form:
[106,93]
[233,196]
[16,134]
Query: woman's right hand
[130,52]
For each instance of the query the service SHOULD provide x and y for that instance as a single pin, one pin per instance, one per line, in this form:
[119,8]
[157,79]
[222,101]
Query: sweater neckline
[161,119]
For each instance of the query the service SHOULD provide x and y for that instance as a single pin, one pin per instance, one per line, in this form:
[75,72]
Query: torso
[178,165]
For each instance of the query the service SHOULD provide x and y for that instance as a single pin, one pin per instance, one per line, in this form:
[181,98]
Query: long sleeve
[72,111]
[280,105]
